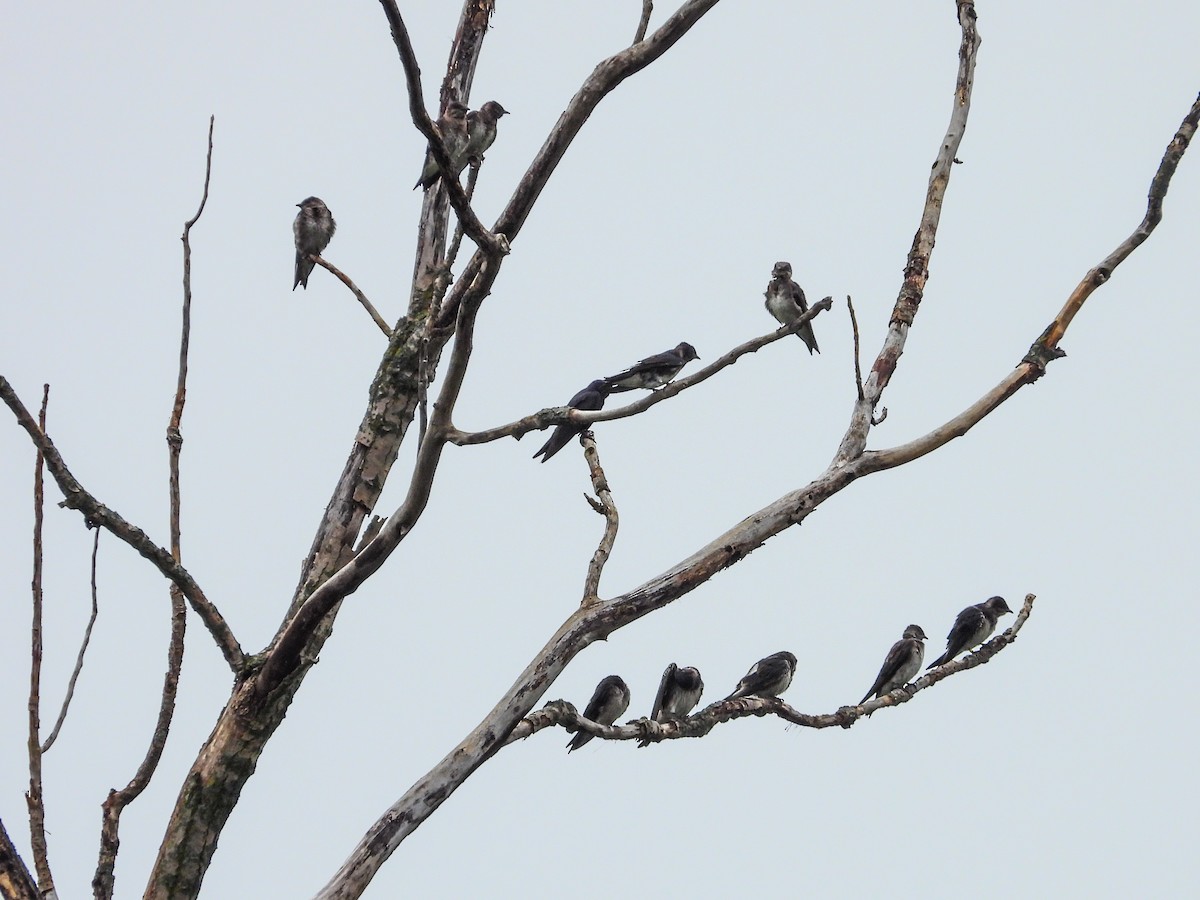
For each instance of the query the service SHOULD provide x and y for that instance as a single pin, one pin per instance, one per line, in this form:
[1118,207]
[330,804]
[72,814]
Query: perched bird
[902,662]
[973,626]
[313,229]
[609,701]
[785,301]
[769,677]
[481,129]
[653,371]
[678,693]
[452,124]
[591,397]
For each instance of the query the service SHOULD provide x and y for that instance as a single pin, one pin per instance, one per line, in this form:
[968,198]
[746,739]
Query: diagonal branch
[87,637]
[559,415]
[1045,348]
[562,713]
[603,80]
[916,271]
[359,295]
[97,514]
[492,245]
[606,507]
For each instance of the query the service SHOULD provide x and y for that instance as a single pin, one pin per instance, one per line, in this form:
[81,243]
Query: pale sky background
[771,131]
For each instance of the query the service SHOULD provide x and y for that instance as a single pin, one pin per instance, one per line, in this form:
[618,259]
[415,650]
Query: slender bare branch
[564,714]
[1046,348]
[97,514]
[916,271]
[34,799]
[103,881]
[857,362]
[644,22]
[87,637]
[491,244]
[1100,274]
[607,507]
[558,415]
[359,295]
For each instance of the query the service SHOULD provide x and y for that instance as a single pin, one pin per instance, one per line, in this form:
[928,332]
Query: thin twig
[97,514]
[87,636]
[34,799]
[559,415]
[604,505]
[644,22]
[103,880]
[857,363]
[563,713]
[359,295]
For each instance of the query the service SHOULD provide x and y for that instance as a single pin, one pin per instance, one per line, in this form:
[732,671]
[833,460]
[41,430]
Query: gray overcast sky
[772,131]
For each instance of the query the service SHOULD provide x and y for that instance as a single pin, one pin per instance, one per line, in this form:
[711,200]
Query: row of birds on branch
[785,301]
[466,137]
[680,688]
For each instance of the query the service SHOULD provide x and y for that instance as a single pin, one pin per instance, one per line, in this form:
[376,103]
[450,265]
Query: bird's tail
[941,660]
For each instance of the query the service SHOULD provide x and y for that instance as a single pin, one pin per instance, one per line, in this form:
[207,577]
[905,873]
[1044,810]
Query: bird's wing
[664,684]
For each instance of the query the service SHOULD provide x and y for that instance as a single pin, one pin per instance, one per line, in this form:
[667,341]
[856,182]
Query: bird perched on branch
[653,371]
[609,701]
[313,229]
[785,301]
[481,130]
[972,627]
[678,693]
[769,677]
[452,125]
[902,662]
[590,398]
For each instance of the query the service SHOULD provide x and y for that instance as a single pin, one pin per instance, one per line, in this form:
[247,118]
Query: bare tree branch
[103,881]
[491,244]
[87,637]
[558,415]
[644,22]
[916,271]
[285,654]
[605,506]
[1042,348]
[1046,348]
[564,714]
[603,80]
[359,295]
[857,362]
[34,799]
[97,514]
